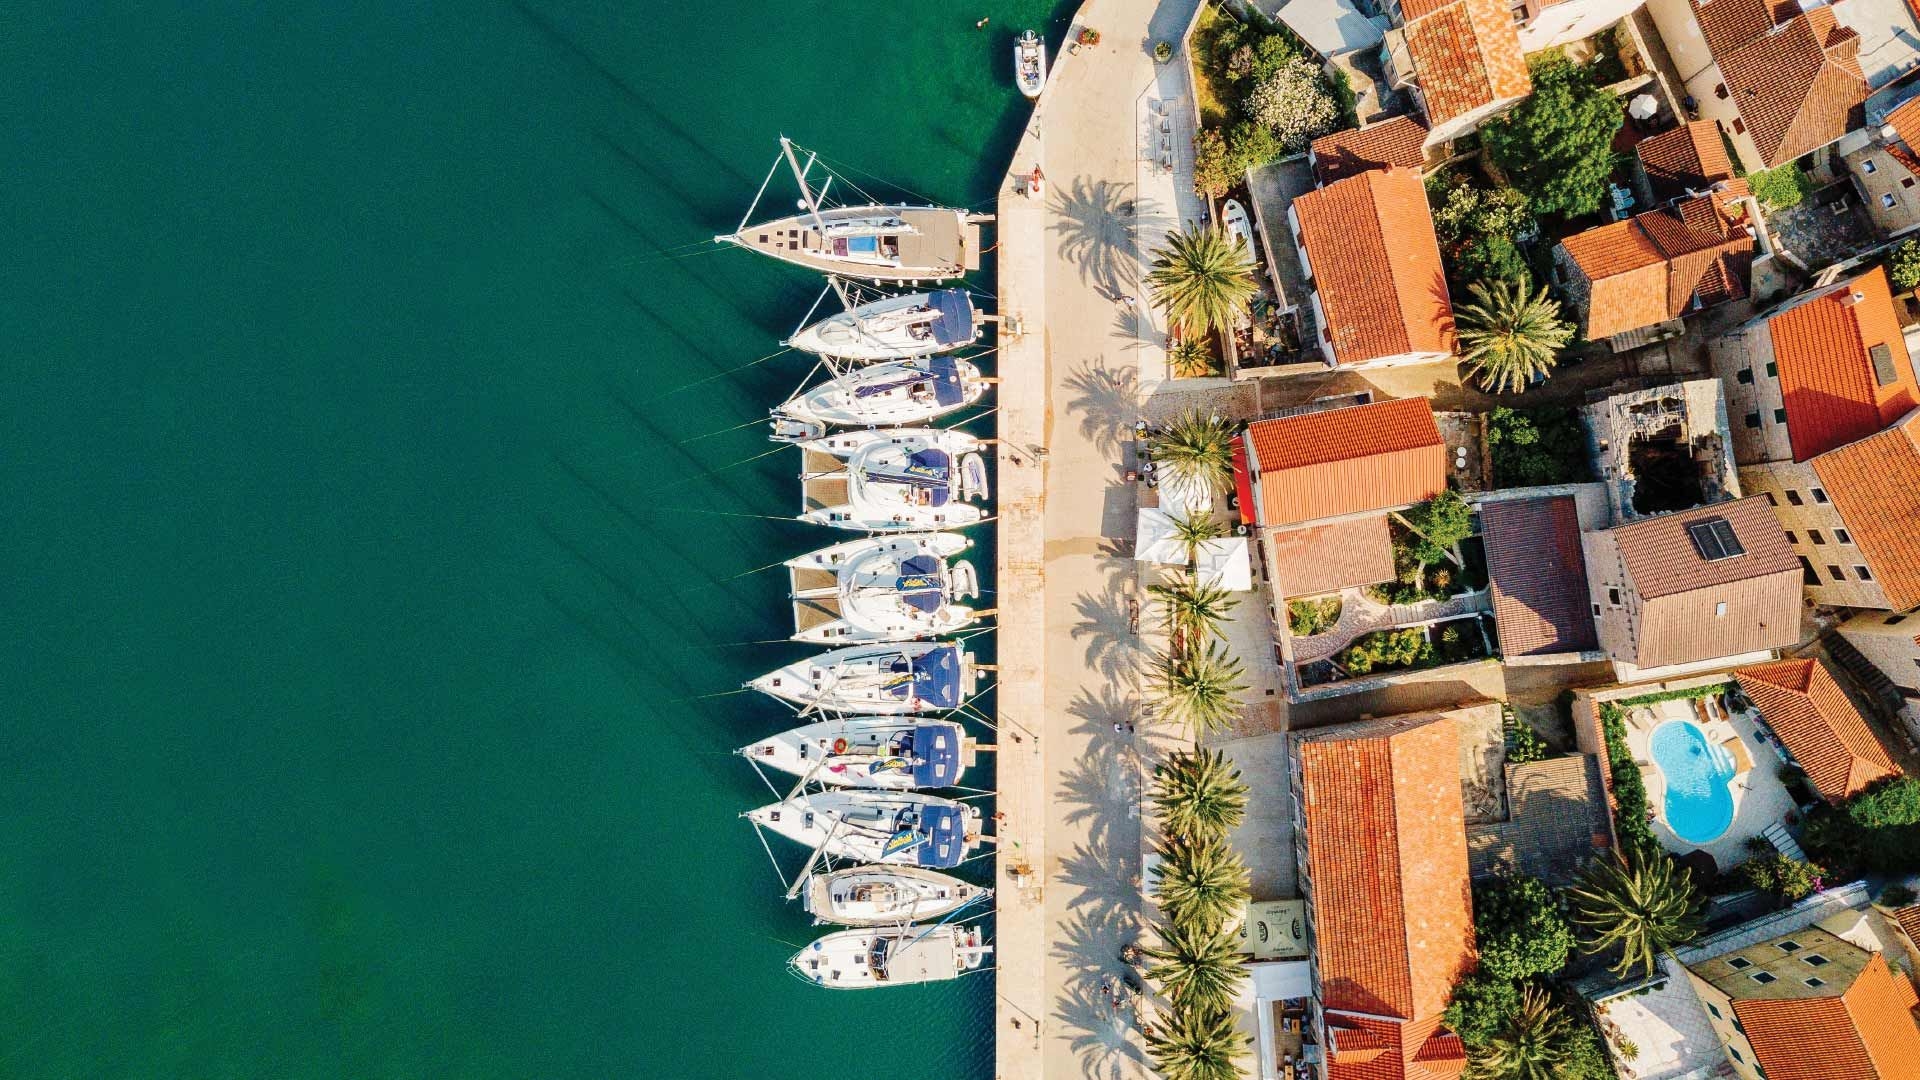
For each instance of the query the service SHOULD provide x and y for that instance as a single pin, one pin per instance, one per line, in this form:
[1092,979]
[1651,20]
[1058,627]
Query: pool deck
[1760,800]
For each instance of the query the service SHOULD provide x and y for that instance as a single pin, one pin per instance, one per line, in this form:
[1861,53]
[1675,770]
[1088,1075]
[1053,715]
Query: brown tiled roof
[1818,724]
[1399,142]
[1386,854]
[1908,919]
[1866,1033]
[1680,591]
[1540,600]
[1729,24]
[1346,461]
[1823,349]
[1691,157]
[1319,559]
[1798,85]
[1875,484]
[1905,122]
[1466,54]
[1556,820]
[1376,266]
[1655,266]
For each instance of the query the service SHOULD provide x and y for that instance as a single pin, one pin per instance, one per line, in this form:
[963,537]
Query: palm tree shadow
[1090,951]
[1108,402]
[1098,223]
[1106,623]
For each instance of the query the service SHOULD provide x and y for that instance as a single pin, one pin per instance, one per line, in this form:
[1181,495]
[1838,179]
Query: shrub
[1306,618]
[1520,929]
[1270,54]
[1557,145]
[1903,266]
[1162,51]
[1897,896]
[1888,804]
[1537,446]
[1441,522]
[1523,743]
[1293,103]
[1629,790]
[1387,649]
[1778,189]
[1213,164]
[1463,212]
[1782,875]
[1089,36]
[1490,258]
[1481,1005]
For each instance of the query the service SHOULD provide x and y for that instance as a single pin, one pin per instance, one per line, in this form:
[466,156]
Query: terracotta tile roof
[1875,484]
[1346,461]
[1823,347]
[1386,855]
[1908,919]
[1905,122]
[1320,559]
[1798,85]
[1680,620]
[1466,54]
[1866,1033]
[1729,24]
[1691,157]
[1540,600]
[1399,142]
[1816,721]
[1376,266]
[1664,263]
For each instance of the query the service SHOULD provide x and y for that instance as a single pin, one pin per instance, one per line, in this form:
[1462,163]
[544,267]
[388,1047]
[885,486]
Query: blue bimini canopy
[946,381]
[954,326]
[936,677]
[936,750]
[876,389]
[924,469]
[919,583]
[944,827]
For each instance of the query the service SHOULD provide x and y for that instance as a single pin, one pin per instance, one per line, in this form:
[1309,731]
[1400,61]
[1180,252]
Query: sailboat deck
[939,244]
[820,492]
[820,611]
[810,578]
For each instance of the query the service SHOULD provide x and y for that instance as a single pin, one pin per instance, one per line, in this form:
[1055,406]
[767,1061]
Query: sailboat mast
[806,189]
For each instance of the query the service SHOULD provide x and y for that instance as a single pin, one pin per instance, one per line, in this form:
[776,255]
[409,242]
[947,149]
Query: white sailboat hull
[887,242]
[885,896]
[867,826]
[882,679]
[888,394]
[897,327]
[898,481]
[898,956]
[882,588]
[877,753]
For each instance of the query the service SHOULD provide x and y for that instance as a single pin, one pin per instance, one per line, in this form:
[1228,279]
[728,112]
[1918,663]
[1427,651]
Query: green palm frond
[1532,1045]
[1201,689]
[1197,445]
[1192,609]
[1644,904]
[1194,1045]
[1197,968]
[1203,279]
[1509,334]
[1199,794]
[1201,882]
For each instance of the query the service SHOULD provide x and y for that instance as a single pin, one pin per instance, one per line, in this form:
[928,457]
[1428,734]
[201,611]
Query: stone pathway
[1361,614]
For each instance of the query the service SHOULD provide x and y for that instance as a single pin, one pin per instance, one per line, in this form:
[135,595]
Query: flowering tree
[1294,104]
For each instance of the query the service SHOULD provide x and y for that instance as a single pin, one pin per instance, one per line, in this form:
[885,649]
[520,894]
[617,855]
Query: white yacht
[895,327]
[895,956]
[885,679]
[881,395]
[882,753]
[901,828]
[885,895]
[882,588]
[1030,64]
[894,481]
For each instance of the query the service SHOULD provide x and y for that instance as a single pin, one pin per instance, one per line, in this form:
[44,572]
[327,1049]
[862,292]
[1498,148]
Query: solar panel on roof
[1882,356]
[1714,540]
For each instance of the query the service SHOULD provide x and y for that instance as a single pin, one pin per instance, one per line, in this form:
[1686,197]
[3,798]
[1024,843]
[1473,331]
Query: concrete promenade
[1074,379]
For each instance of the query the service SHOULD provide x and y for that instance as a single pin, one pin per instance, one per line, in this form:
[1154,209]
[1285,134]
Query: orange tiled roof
[1875,484]
[1466,54]
[1539,577]
[1376,266]
[1370,1048]
[1905,122]
[1346,461]
[1795,76]
[1691,157]
[1823,349]
[1386,854]
[1908,919]
[1662,264]
[1399,142]
[1867,1033]
[1816,721]
[1317,559]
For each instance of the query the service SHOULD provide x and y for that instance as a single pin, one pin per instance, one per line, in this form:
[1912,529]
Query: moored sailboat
[901,828]
[894,327]
[895,481]
[881,753]
[885,895]
[858,959]
[888,680]
[882,588]
[881,395]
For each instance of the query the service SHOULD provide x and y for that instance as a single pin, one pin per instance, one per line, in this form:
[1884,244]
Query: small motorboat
[895,327]
[1030,64]
[888,679]
[1239,226]
[882,588]
[897,828]
[898,956]
[881,753]
[908,479]
[886,895]
[881,395]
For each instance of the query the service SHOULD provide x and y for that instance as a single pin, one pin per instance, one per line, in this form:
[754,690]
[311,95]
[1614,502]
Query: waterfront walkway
[1074,376]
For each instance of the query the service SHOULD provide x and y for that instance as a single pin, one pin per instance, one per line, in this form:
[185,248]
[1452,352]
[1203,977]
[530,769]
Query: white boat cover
[1226,563]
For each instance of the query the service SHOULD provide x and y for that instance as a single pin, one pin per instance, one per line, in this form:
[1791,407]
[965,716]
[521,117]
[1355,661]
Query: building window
[1867,167]
[1753,419]
[1819,495]
[1813,960]
[1779,416]
[1788,945]
[1862,573]
[1739,962]
[1613,597]
[1792,539]
[1744,377]
[1893,620]
[1814,535]
[1887,200]
[1773,370]
[1763,977]
[1814,981]
[1715,1011]
[1794,497]
[1771,501]
[1807,576]
[1720,609]
[1736,1055]
[1840,537]
[1834,573]
[1906,181]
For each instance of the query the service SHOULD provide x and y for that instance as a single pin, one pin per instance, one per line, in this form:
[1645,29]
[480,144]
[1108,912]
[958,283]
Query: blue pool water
[1699,803]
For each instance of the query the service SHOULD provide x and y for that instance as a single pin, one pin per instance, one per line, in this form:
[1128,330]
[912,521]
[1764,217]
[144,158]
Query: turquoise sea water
[360,581]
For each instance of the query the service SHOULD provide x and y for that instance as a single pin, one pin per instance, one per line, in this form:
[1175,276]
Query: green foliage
[1557,145]
[1463,211]
[1253,146]
[1643,905]
[1441,522]
[1192,609]
[1191,358]
[1509,334]
[1877,831]
[1199,794]
[1523,743]
[1306,618]
[1197,968]
[1903,265]
[1782,875]
[1406,648]
[1271,53]
[1520,929]
[1481,1005]
[1897,896]
[1888,804]
[1198,446]
[1201,883]
[1629,790]
[1214,172]
[1531,1045]
[1688,693]
[1778,189]
[1490,258]
[1192,530]
[1537,446]
[1162,51]
[1201,689]
[1203,279]
[1341,87]
[1191,1044]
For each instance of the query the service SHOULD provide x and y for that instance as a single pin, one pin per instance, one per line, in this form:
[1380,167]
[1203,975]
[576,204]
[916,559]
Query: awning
[1153,540]
[1243,479]
[1225,563]
[1184,496]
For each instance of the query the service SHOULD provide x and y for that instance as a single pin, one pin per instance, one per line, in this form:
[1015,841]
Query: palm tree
[1201,882]
[1190,359]
[1197,446]
[1197,967]
[1190,1045]
[1193,610]
[1192,530]
[1204,280]
[1201,688]
[1199,794]
[1531,1045]
[1645,904]
[1509,334]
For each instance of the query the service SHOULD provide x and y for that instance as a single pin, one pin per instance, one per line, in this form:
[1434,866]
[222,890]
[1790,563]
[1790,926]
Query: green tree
[1203,279]
[1519,928]
[1201,882]
[1199,794]
[1903,266]
[1201,689]
[1781,188]
[1557,145]
[1214,173]
[1463,211]
[1480,1006]
[1888,804]
[1440,522]
[1193,610]
[1782,875]
[1644,904]
[1403,648]
[1493,257]
[1191,1045]
[1190,358]
[1537,446]
[1531,1045]
[1509,334]
[1197,446]
[1192,530]
[1197,968]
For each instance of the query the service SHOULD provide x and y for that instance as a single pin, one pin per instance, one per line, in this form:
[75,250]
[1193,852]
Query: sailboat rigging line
[755,204]
[715,694]
[703,474]
[976,695]
[756,570]
[722,431]
[722,513]
[723,374]
[768,848]
[843,168]
[763,779]
[807,319]
[974,793]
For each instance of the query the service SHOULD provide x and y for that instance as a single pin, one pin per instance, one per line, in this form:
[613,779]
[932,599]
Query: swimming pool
[1698,805]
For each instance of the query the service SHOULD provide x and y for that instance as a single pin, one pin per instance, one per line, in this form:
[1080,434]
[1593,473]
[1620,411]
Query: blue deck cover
[932,677]
[943,827]
[946,380]
[936,748]
[919,583]
[954,326]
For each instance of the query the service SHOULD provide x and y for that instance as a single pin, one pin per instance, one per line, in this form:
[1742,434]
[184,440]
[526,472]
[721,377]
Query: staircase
[1783,841]
[1867,676]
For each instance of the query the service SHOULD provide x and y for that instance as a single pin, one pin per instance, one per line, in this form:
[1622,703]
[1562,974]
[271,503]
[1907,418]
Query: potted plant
[1089,36]
[1162,52]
